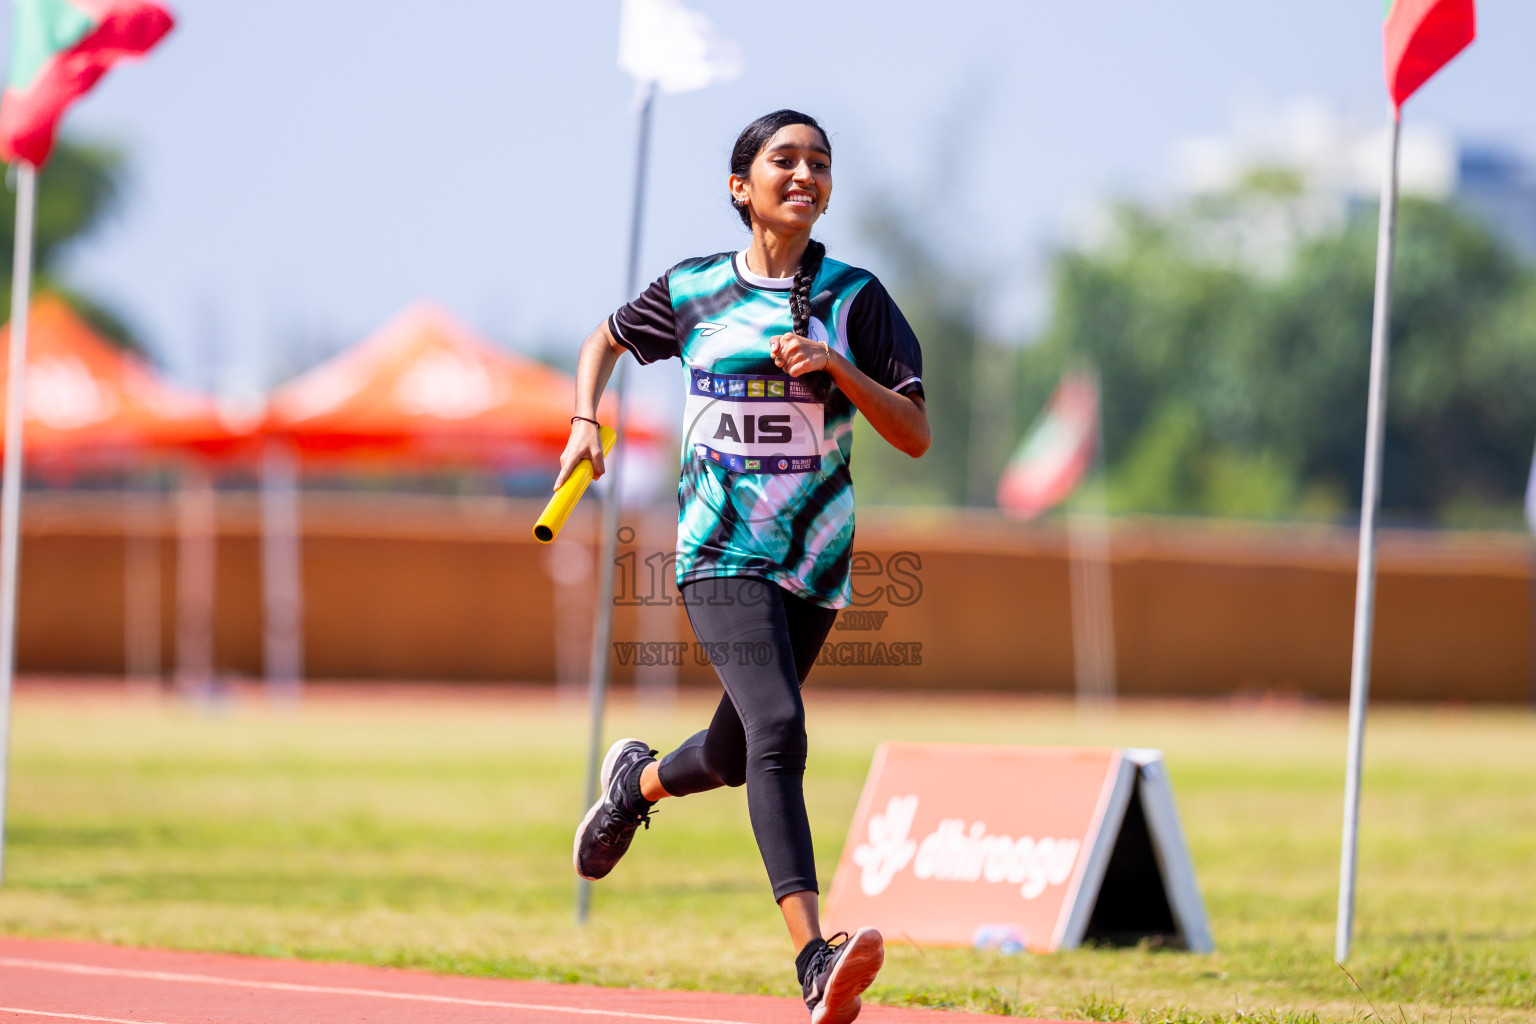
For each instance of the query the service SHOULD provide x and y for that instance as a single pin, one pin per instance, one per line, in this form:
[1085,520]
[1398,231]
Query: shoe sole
[854,973]
[603,779]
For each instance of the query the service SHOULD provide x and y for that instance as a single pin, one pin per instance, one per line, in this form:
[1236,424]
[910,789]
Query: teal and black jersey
[765,489]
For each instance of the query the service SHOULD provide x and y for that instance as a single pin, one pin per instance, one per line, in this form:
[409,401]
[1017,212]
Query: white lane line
[74,1016]
[331,990]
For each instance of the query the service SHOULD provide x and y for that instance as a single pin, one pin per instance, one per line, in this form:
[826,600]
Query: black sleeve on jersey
[882,341]
[648,325]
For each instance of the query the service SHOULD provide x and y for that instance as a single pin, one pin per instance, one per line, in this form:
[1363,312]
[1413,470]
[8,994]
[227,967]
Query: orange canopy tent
[89,401]
[426,388]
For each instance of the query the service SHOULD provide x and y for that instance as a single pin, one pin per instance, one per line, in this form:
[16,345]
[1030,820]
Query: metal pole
[1091,585]
[282,573]
[141,581]
[980,473]
[1530,497]
[10,501]
[197,559]
[1533,629]
[602,629]
[1530,519]
[1365,578]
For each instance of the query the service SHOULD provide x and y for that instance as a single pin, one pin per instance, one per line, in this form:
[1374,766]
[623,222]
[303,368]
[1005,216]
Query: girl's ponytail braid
[800,291]
[819,382]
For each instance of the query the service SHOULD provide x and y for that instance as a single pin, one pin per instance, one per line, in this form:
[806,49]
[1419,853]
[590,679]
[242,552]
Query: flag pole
[282,574]
[1530,519]
[10,500]
[1365,577]
[1090,583]
[602,628]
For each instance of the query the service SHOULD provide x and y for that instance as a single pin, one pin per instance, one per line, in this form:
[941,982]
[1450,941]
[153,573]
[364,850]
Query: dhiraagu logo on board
[959,851]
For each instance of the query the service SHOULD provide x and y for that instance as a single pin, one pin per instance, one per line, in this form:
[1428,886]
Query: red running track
[43,981]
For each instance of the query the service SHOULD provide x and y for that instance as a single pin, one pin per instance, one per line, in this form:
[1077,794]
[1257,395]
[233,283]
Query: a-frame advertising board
[1049,846]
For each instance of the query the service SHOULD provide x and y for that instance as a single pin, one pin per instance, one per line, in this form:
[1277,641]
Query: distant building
[1337,161]
[1499,186]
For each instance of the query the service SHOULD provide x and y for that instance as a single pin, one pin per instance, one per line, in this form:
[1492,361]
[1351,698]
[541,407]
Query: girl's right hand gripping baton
[559,508]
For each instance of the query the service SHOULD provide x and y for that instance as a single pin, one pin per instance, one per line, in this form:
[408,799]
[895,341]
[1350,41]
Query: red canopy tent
[91,402]
[426,389]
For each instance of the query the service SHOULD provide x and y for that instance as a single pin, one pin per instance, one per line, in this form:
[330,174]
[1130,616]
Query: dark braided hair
[800,291]
[750,143]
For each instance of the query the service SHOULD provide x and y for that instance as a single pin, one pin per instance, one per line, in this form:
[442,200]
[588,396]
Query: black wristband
[586,419]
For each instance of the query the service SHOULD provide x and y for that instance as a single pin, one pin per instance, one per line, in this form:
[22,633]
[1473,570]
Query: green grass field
[437,835]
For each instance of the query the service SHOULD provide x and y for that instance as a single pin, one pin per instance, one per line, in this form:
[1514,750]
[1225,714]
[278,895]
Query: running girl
[780,345]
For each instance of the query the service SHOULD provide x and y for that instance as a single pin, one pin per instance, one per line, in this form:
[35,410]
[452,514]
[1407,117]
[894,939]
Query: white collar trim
[782,284]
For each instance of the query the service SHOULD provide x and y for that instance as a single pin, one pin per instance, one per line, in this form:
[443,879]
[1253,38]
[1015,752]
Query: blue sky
[305,168]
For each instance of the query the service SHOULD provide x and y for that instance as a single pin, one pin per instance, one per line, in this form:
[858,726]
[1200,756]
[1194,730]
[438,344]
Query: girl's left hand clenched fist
[796,355]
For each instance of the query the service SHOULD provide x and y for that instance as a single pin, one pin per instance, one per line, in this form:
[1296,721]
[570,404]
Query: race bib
[753,423]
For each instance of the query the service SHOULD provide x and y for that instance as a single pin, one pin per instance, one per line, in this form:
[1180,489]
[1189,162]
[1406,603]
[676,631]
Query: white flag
[664,43]
[1530,498]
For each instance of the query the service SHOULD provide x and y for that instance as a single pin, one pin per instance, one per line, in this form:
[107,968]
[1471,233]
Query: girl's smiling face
[790,180]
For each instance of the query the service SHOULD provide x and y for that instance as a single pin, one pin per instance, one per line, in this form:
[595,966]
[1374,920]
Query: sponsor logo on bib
[766,428]
[753,423]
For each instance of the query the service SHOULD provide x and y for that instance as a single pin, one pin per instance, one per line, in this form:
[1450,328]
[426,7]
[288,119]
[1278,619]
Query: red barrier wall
[418,588]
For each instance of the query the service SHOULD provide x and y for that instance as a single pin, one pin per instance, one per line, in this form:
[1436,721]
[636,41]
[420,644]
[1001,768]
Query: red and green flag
[1056,454]
[59,48]
[1421,38]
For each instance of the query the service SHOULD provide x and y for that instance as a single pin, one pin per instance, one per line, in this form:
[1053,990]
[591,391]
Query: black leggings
[763,641]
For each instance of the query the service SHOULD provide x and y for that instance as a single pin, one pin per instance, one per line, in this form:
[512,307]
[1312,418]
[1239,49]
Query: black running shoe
[839,973]
[605,833]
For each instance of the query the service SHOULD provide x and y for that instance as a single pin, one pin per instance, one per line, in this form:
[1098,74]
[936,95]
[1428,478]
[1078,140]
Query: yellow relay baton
[559,508]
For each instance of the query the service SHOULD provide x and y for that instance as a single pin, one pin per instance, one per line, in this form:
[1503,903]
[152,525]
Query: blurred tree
[928,266]
[78,189]
[1233,341]
[939,301]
